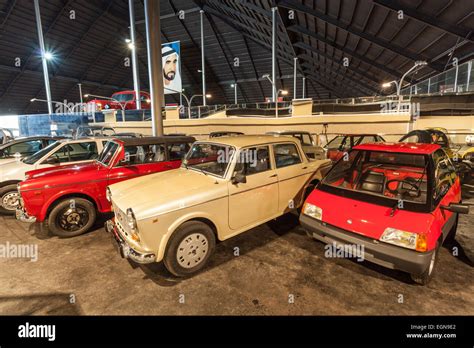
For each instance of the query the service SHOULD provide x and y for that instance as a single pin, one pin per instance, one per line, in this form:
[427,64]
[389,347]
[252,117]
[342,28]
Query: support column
[43,57]
[155,69]
[136,76]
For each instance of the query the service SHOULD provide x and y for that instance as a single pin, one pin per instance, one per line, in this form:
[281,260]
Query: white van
[60,153]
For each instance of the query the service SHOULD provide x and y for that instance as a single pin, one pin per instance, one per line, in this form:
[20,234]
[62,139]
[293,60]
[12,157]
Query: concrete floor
[272,267]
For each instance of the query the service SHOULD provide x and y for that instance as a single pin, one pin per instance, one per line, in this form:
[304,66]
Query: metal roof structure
[379,39]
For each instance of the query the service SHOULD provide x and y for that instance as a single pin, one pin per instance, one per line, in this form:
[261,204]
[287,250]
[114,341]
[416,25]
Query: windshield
[108,153]
[123,97]
[384,178]
[336,142]
[40,154]
[209,158]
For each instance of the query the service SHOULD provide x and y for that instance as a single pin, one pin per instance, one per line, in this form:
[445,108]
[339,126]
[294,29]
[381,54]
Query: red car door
[447,189]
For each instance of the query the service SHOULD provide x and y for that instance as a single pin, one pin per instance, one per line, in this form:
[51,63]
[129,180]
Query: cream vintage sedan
[223,188]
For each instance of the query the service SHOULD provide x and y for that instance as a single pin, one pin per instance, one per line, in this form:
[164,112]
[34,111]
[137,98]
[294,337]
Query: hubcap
[11,200]
[72,220]
[192,250]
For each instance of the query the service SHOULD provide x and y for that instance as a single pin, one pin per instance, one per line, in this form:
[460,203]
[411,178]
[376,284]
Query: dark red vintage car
[394,203]
[71,197]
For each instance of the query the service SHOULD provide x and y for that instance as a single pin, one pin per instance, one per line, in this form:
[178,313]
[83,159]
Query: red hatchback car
[397,203]
[69,198]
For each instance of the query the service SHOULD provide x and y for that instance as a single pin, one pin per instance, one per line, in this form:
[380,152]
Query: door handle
[304,168]
[274,176]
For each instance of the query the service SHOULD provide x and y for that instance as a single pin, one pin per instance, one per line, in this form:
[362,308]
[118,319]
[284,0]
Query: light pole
[234,86]
[80,92]
[283,92]
[267,76]
[45,56]
[294,76]
[133,48]
[398,85]
[304,87]
[203,61]
[51,101]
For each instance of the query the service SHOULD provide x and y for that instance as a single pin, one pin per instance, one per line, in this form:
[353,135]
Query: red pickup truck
[125,100]
[70,198]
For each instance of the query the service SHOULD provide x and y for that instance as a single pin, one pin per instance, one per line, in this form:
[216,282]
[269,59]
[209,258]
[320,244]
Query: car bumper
[124,249]
[21,215]
[383,254]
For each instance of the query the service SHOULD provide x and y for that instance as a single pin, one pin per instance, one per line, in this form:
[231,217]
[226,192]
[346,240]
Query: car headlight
[404,239]
[108,194]
[313,211]
[131,221]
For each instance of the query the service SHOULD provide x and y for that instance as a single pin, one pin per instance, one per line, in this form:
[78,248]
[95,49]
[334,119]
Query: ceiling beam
[12,81]
[434,22]
[304,31]
[218,39]
[361,73]
[401,51]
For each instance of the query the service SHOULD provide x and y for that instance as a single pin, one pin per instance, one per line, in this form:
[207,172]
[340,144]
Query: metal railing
[459,79]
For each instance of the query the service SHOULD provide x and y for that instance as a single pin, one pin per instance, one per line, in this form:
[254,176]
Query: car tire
[451,237]
[8,195]
[189,248]
[66,220]
[427,275]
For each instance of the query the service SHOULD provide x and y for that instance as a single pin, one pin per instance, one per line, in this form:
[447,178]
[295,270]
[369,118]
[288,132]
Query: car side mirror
[457,208]
[52,160]
[239,178]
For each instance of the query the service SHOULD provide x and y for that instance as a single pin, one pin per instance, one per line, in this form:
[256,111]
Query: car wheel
[189,248]
[450,238]
[9,199]
[72,217]
[427,275]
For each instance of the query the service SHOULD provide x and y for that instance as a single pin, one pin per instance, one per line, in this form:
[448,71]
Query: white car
[60,153]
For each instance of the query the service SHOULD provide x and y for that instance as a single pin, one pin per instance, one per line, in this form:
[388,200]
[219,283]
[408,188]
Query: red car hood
[367,219]
[63,174]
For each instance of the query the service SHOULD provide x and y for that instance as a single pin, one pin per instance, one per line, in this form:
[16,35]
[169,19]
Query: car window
[365,140]
[286,155]
[253,161]
[411,139]
[306,140]
[24,148]
[75,152]
[108,153]
[177,152]
[445,175]
[336,143]
[143,154]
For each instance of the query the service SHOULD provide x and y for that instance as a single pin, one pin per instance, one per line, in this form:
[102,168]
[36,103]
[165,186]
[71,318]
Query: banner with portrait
[171,62]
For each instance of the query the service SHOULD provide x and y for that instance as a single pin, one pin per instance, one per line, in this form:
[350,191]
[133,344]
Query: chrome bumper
[124,249]
[21,215]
